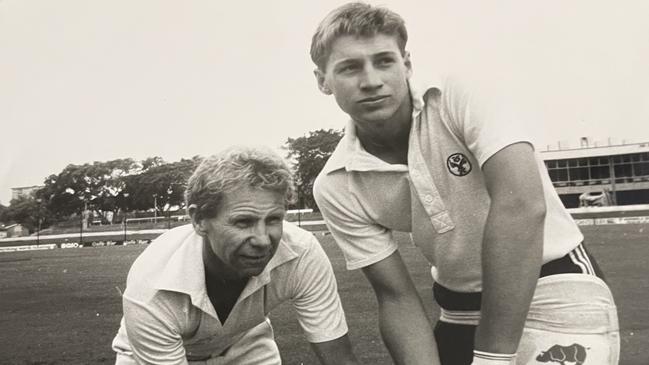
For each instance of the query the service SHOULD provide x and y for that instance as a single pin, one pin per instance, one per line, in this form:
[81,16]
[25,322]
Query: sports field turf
[62,306]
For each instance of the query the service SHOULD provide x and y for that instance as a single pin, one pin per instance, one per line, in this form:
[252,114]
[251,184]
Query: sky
[84,81]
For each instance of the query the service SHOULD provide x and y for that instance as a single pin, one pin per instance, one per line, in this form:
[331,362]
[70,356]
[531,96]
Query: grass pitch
[63,306]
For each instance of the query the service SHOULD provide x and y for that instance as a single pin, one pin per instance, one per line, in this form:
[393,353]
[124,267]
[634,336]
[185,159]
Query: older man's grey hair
[234,168]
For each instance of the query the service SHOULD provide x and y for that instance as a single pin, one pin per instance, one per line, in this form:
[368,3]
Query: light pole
[83,221]
[38,229]
[124,220]
[299,215]
[81,229]
[169,191]
[155,208]
[611,173]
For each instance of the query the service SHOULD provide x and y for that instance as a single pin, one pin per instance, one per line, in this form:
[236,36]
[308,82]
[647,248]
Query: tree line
[104,189]
[114,187]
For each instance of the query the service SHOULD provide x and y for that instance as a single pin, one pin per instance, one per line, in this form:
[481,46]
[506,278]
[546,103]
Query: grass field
[62,306]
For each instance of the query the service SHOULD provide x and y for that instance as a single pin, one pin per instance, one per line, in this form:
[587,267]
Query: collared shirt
[168,316]
[440,196]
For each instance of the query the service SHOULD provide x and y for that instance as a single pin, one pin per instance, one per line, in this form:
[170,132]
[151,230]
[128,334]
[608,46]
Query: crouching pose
[201,293]
[513,277]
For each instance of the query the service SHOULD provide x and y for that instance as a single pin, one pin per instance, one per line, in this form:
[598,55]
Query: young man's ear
[408,63]
[322,83]
[199,225]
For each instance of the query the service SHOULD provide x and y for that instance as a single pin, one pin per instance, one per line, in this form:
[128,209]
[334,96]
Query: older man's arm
[319,308]
[151,336]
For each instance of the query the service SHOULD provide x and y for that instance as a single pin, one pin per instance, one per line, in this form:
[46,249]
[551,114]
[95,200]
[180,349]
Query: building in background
[24,191]
[620,171]
[16,230]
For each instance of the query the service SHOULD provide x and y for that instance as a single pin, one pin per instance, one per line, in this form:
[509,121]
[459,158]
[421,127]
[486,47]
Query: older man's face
[245,233]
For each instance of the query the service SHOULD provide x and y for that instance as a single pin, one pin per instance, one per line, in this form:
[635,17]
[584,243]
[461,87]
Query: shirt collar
[185,272]
[350,154]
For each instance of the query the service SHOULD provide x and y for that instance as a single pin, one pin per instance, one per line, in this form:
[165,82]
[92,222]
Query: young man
[201,293]
[512,276]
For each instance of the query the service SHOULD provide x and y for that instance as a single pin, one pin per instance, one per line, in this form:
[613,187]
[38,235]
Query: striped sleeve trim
[471,318]
[490,358]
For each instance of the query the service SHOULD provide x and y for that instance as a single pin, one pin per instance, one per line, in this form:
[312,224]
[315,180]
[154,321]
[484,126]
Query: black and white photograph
[332,182]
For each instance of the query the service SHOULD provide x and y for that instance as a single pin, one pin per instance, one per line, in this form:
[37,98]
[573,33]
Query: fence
[136,230]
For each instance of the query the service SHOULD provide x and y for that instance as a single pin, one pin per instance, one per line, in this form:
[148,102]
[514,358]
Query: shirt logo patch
[458,164]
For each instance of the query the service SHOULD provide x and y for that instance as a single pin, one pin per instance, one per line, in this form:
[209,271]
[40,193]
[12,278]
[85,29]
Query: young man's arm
[512,248]
[335,352]
[403,323]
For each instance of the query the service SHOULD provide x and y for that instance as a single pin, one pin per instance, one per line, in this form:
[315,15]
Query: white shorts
[572,319]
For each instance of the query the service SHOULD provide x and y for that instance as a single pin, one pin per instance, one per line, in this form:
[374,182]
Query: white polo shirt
[440,196]
[168,316]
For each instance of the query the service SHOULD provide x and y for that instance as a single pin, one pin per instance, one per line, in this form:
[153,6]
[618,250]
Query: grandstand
[621,170]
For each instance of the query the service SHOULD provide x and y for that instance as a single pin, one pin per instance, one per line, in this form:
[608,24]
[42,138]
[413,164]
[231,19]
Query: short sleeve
[362,241]
[315,296]
[481,115]
[152,336]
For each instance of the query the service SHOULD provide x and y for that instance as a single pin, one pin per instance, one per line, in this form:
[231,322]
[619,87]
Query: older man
[201,293]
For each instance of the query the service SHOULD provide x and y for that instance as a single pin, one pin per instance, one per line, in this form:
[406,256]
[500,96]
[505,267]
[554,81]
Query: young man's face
[368,77]
[245,233]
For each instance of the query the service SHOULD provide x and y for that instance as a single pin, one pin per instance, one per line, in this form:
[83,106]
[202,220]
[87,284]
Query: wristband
[490,358]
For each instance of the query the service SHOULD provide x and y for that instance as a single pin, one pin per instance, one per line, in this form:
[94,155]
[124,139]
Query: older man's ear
[198,224]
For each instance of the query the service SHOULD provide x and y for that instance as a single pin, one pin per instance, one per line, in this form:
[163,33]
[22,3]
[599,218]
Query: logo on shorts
[458,164]
[574,353]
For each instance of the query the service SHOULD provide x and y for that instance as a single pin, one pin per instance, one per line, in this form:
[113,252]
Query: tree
[152,162]
[3,209]
[28,211]
[96,187]
[105,187]
[309,155]
[165,181]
